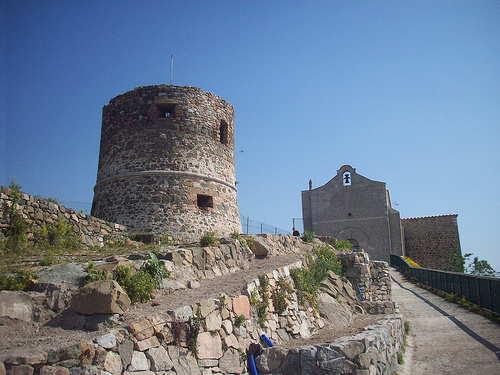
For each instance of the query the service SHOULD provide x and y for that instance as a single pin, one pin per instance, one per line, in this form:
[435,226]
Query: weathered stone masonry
[430,240]
[37,212]
[166,162]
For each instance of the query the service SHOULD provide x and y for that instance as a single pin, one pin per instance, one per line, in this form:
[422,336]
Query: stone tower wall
[429,241]
[166,162]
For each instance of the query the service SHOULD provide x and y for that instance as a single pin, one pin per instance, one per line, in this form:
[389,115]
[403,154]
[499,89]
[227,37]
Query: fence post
[248,219]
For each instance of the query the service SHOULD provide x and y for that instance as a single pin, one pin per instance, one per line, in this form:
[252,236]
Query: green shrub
[57,237]
[24,280]
[308,236]
[138,285]
[260,299]
[342,245]
[209,239]
[239,320]
[156,269]
[17,236]
[308,279]
[192,331]
[95,275]
[167,239]
[281,294]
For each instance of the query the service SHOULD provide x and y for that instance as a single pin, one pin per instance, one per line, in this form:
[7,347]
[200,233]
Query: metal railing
[255,227]
[481,291]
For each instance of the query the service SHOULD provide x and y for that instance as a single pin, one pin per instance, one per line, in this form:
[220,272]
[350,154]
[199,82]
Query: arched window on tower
[224,133]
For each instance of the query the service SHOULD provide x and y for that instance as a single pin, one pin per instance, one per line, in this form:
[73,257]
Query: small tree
[456,262]
[481,268]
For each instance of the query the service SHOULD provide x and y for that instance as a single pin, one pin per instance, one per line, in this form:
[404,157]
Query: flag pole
[171,68]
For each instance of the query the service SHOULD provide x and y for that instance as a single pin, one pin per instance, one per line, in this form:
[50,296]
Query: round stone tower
[166,163]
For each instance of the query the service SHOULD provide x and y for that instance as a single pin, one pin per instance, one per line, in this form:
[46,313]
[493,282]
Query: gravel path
[440,340]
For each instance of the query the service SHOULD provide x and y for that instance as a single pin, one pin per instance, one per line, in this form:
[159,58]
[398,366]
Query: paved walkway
[444,338]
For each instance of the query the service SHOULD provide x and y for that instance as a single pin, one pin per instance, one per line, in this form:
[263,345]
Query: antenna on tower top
[171,68]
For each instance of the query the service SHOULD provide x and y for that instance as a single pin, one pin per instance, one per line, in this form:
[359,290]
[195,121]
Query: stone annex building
[166,163]
[354,208]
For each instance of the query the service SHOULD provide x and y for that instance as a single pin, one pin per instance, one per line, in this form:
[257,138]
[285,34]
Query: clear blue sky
[407,92]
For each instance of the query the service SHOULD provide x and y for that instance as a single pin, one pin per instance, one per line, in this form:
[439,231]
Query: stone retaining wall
[372,277]
[373,351]
[37,212]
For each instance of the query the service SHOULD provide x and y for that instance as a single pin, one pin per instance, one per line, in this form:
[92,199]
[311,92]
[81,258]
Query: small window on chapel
[204,201]
[166,110]
[224,133]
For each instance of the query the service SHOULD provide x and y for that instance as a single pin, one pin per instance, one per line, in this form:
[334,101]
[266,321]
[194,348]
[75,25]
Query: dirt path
[231,284]
[20,338]
[441,333]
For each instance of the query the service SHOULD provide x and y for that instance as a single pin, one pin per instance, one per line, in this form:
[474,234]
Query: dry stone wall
[38,212]
[373,351]
[373,280]
[220,330]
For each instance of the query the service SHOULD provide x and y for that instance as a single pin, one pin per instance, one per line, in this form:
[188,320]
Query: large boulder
[335,313]
[261,247]
[100,297]
[16,305]
[66,275]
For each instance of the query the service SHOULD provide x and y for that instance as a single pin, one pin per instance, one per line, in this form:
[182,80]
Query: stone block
[107,341]
[206,307]
[157,322]
[213,321]
[139,362]
[350,349]
[53,370]
[150,342]
[20,370]
[125,350]
[183,361]
[209,346]
[330,360]
[231,341]
[241,306]
[100,297]
[141,330]
[113,363]
[16,305]
[182,314]
[230,362]
[159,358]
[271,359]
[228,326]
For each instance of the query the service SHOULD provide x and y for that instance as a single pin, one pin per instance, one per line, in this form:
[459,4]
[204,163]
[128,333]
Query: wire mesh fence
[481,291]
[250,226]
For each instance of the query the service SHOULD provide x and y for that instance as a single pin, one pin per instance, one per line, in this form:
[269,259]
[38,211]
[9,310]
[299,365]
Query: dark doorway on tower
[204,201]
[354,243]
